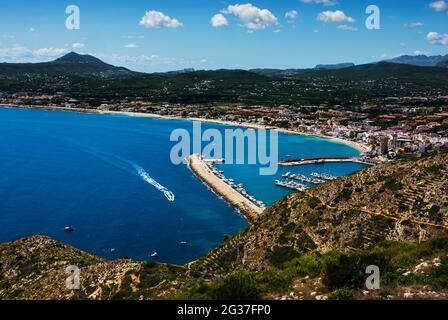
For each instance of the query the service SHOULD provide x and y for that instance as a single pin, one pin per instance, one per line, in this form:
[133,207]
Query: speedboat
[154,255]
[69,229]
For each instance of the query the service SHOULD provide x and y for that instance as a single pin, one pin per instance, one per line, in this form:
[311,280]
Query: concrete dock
[232,196]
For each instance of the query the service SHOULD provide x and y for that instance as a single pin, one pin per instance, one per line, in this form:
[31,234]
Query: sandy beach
[201,170]
[358,146]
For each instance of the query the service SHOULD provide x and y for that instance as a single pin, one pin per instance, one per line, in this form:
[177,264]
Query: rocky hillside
[403,201]
[35,268]
[312,245]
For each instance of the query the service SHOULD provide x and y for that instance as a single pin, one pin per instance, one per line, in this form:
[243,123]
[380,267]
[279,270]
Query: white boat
[154,255]
[323,176]
[291,185]
[69,229]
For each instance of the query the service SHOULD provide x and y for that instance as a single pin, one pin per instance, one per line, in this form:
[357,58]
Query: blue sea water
[110,178]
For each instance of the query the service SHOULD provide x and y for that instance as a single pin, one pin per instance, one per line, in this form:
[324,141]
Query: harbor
[315,178]
[322,160]
[232,192]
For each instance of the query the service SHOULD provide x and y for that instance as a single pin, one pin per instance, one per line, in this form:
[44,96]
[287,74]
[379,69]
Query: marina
[231,182]
[323,160]
[315,179]
[291,185]
[324,176]
[303,178]
[232,192]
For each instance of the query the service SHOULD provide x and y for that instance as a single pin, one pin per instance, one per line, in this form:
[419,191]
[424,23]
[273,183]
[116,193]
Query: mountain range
[335,66]
[420,60]
[87,65]
[89,79]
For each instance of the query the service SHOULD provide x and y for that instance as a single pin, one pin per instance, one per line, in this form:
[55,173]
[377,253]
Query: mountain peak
[419,60]
[74,57]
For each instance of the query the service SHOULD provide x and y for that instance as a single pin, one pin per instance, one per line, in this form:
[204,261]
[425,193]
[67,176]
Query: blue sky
[178,34]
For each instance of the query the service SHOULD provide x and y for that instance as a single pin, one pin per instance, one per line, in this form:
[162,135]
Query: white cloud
[414,25]
[439,5]
[157,19]
[49,52]
[334,16]
[134,37]
[437,38]
[324,2]
[78,45]
[31,30]
[131,46]
[15,53]
[219,20]
[253,18]
[18,53]
[346,27]
[291,15]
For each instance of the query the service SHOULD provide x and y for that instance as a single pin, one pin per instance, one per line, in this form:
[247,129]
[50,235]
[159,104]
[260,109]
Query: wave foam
[145,176]
[131,168]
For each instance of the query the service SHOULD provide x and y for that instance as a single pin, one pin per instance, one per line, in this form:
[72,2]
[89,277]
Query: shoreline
[199,167]
[361,148]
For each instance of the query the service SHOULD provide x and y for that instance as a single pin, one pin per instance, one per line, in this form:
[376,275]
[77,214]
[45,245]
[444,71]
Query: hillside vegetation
[89,79]
[311,245]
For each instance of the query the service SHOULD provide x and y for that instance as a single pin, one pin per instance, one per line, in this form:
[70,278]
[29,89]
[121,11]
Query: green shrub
[305,242]
[200,290]
[342,294]
[438,278]
[280,255]
[239,286]
[313,202]
[273,281]
[435,214]
[348,271]
[309,265]
[393,185]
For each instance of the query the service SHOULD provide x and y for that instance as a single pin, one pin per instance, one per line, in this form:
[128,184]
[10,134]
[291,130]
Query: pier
[322,160]
[202,170]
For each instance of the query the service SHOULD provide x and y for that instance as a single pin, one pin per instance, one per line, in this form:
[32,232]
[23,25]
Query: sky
[165,35]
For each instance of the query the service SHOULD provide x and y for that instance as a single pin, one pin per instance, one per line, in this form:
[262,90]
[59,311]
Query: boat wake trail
[145,176]
[131,168]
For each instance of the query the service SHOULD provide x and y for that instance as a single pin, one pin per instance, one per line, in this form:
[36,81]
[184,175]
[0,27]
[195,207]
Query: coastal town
[382,130]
